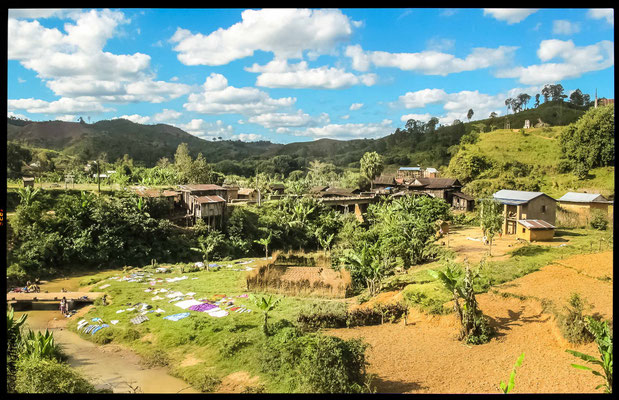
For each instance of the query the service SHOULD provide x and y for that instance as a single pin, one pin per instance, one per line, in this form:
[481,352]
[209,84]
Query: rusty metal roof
[535,224]
[209,199]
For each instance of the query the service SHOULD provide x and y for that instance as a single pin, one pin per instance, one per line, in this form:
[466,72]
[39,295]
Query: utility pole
[98,178]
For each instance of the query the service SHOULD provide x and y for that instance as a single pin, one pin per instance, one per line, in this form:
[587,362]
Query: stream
[106,366]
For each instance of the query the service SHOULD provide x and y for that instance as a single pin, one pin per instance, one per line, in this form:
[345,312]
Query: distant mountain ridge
[149,143]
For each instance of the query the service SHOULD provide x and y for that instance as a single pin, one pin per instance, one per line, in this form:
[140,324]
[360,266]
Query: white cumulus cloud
[509,15]
[287,33]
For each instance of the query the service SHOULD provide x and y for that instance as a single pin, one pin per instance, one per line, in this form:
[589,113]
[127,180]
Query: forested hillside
[423,143]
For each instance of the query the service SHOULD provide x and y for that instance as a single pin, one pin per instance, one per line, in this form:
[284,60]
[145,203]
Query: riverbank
[114,367]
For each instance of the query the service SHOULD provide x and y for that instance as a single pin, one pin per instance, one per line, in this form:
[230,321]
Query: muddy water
[109,366]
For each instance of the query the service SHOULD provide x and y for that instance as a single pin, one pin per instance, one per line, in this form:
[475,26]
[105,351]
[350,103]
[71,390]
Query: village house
[442,188]
[582,204]
[384,183]
[172,196]
[462,202]
[430,173]
[232,192]
[277,188]
[535,230]
[200,190]
[247,194]
[520,205]
[211,209]
[409,173]
[205,201]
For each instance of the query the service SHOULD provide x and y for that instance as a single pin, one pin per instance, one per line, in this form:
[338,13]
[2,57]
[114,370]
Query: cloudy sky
[289,75]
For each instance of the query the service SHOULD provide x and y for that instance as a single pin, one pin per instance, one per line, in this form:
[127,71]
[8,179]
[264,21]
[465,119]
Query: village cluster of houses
[528,215]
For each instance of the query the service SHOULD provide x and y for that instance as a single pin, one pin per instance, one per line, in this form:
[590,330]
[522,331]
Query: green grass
[541,147]
[225,345]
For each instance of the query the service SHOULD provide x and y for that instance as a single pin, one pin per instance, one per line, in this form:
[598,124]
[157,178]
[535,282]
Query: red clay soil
[426,357]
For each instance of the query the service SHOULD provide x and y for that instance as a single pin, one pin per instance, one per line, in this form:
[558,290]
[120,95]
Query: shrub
[599,220]
[49,376]
[322,315]
[232,345]
[315,363]
[573,323]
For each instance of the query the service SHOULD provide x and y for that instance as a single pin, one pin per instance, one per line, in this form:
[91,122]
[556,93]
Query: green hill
[146,144]
[526,161]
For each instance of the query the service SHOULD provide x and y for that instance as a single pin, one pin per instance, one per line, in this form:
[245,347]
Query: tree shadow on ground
[530,250]
[514,318]
[382,385]
[567,233]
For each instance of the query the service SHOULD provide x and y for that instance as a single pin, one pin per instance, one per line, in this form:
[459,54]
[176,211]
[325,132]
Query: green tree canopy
[590,142]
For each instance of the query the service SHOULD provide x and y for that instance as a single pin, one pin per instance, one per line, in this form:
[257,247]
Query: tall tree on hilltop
[469,114]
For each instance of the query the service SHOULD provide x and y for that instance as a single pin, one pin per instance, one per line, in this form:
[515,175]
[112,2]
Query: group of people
[32,287]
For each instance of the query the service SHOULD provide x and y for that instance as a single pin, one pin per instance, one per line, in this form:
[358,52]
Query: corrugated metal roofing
[209,199]
[199,187]
[575,197]
[431,170]
[515,197]
[535,224]
[410,168]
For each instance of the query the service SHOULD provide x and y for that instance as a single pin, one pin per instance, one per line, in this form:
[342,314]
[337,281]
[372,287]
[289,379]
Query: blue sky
[289,75]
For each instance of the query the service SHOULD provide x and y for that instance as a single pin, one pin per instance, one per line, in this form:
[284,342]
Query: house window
[523,230]
[543,209]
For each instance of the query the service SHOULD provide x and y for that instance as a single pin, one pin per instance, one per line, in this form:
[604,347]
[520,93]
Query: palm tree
[266,304]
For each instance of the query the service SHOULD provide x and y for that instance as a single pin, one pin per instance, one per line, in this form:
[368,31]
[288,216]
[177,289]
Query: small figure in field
[63,306]
[105,300]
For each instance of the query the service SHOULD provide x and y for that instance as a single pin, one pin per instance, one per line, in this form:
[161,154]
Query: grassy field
[200,349]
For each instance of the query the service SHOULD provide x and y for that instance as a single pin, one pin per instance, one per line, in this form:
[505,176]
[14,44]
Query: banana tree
[13,336]
[266,304]
[508,387]
[604,340]
[27,195]
[265,242]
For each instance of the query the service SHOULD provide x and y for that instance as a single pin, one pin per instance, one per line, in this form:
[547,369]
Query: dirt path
[109,366]
[467,242]
[425,357]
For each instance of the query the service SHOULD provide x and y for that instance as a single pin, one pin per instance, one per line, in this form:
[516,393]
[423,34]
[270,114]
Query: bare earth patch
[237,382]
[425,357]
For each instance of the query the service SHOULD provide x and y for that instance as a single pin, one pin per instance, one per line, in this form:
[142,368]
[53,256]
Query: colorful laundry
[218,314]
[203,307]
[176,317]
[139,319]
[187,303]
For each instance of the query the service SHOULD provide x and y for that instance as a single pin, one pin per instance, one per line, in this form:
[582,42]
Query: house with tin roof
[522,205]
[583,204]
[535,230]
